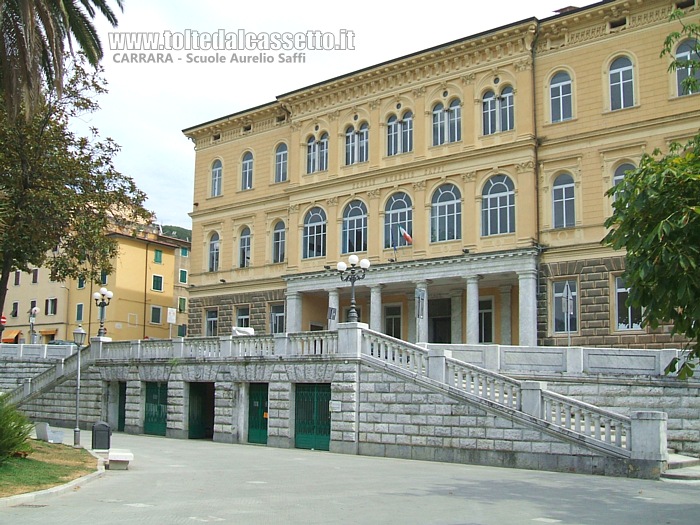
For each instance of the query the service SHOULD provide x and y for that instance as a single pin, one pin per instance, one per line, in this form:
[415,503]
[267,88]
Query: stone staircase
[681,468]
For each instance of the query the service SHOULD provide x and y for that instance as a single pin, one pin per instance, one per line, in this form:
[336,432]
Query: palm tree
[33,39]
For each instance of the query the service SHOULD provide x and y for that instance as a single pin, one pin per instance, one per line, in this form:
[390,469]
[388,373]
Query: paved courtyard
[187,482]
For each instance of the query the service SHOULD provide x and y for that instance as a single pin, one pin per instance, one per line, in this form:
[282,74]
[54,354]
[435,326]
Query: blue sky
[148,105]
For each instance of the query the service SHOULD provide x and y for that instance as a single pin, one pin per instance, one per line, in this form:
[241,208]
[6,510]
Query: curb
[30,497]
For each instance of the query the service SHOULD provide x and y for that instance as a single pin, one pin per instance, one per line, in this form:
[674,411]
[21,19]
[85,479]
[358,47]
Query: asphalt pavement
[173,481]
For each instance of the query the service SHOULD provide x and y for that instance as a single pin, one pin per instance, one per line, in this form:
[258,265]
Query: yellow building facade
[150,279]
[471,175]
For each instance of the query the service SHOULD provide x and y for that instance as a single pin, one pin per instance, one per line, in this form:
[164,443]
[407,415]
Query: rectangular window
[35,275]
[392,321]
[277,318]
[565,306]
[103,278]
[212,323]
[81,283]
[32,304]
[51,306]
[628,317]
[182,304]
[183,276]
[158,256]
[243,316]
[184,252]
[79,312]
[156,314]
[17,277]
[15,309]
[157,283]
[181,330]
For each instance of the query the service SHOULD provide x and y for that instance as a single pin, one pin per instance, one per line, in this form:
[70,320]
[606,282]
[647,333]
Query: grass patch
[48,465]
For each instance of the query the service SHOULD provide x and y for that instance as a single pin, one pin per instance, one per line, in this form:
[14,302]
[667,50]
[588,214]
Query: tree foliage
[33,39]
[177,232]
[656,219]
[63,193]
[15,429]
[688,63]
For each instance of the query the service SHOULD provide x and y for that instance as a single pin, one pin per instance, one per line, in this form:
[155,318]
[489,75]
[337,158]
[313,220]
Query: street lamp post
[352,275]
[78,338]
[102,300]
[32,319]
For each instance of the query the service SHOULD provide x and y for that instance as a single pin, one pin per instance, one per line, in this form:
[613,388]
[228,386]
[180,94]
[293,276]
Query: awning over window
[48,332]
[8,336]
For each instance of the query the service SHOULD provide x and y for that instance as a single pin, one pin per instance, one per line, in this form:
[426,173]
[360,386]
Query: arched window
[281,160]
[498,206]
[446,214]
[400,134]
[560,97]
[244,248]
[447,123]
[214,247]
[317,154]
[563,200]
[398,216]
[498,111]
[314,233]
[356,144]
[621,84]
[247,171]
[507,106]
[278,240]
[355,227]
[686,53]
[216,178]
[620,172]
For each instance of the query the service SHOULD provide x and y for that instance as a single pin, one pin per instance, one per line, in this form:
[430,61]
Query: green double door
[156,416]
[312,423]
[257,413]
[201,411]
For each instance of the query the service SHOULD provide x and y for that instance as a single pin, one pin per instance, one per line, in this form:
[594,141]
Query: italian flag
[405,235]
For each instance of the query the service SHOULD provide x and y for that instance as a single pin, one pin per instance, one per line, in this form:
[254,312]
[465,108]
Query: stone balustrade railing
[482,383]
[313,343]
[395,351]
[589,420]
[28,351]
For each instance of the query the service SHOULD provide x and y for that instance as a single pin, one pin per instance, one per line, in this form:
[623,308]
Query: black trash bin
[101,434]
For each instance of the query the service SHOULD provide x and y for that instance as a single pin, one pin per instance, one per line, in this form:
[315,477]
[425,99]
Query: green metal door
[313,417]
[156,419]
[121,407]
[201,412]
[257,413]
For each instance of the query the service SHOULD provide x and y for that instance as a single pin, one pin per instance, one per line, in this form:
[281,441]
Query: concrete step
[682,468]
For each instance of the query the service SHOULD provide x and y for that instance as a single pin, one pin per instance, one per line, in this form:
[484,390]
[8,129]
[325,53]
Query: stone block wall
[403,419]
[596,304]
[14,371]
[226,306]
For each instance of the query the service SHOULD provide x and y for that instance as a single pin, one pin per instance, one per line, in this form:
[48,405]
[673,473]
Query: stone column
[334,302]
[293,311]
[506,338]
[456,328]
[649,436]
[527,308]
[422,314]
[473,309]
[375,308]
[411,316]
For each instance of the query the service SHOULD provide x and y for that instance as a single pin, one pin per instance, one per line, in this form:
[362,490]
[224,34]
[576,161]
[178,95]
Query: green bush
[15,429]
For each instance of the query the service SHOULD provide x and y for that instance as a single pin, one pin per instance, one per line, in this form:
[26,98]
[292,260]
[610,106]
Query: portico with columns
[469,299]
